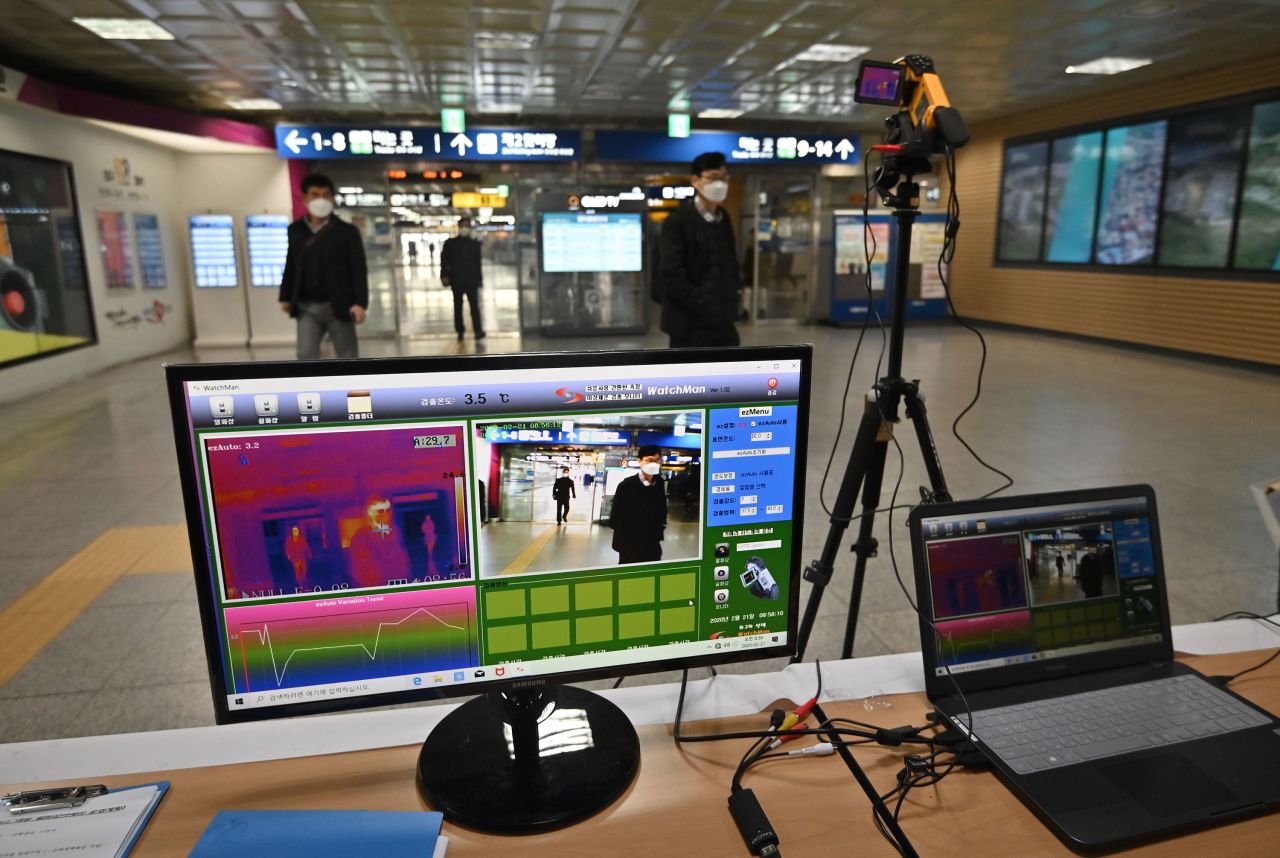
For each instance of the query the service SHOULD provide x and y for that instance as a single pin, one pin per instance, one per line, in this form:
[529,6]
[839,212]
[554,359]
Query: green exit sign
[453,120]
[677,125]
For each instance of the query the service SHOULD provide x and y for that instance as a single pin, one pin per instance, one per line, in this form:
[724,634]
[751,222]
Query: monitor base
[525,761]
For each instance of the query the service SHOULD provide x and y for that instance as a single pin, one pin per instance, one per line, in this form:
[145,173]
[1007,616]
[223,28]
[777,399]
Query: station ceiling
[623,62]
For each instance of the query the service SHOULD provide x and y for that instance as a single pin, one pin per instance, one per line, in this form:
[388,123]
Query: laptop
[1052,618]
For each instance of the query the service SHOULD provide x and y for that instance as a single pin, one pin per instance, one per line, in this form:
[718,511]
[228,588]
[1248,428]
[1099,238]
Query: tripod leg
[865,547]
[920,420]
[819,571]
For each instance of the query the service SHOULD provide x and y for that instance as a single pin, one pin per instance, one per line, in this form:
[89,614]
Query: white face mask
[716,191]
[464,231]
[651,469]
[320,207]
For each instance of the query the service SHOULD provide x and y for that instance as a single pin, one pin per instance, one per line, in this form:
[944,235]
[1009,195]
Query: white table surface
[725,695]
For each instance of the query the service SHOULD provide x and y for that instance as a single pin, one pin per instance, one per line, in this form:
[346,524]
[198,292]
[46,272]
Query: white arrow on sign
[461,142]
[845,148]
[293,139]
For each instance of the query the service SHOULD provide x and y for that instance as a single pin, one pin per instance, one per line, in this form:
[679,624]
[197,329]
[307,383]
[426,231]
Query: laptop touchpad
[1168,784]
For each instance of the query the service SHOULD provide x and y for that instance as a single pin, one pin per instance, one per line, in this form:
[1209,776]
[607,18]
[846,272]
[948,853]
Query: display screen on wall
[578,241]
[1022,202]
[146,232]
[1130,194]
[117,260]
[1178,194]
[268,248]
[44,305]
[1073,197]
[1200,188]
[1258,235]
[213,251]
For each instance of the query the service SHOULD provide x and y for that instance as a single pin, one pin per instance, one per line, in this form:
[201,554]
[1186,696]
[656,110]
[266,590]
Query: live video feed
[592,492]
[1070,564]
[315,511]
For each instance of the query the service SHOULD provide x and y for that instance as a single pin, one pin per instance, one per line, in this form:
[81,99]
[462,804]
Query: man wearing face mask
[460,271]
[639,513]
[325,285]
[697,280]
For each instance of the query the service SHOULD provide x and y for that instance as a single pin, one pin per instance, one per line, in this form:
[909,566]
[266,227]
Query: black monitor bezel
[177,375]
[937,687]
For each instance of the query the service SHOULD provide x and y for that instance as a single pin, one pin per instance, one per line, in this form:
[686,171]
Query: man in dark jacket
[460,271]
[562,489]
[697,280]
[639,513]
[325,285]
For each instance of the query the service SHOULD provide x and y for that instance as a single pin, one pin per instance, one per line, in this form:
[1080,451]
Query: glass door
[382,257]
[779,238]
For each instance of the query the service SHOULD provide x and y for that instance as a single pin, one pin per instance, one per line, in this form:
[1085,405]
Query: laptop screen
[1037,583]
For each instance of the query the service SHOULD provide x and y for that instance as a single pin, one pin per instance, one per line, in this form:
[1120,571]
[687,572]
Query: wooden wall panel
[1230,318]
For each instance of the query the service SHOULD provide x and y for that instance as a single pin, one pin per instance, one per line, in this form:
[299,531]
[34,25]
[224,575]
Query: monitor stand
[528,760]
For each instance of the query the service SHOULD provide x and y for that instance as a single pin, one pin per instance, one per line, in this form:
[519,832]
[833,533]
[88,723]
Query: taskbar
[479,675]
[1044,655]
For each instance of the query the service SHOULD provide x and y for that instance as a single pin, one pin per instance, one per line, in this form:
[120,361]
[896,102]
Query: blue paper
[320,833]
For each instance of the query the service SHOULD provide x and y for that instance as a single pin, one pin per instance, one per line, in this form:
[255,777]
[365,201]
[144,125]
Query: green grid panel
[570,614]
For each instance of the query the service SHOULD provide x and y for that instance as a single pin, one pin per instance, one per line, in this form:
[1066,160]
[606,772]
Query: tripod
[865,471]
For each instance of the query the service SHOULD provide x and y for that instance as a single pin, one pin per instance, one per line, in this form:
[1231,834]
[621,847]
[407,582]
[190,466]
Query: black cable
[868,254]
[1245,615]
[944,263]
[1233,677]
[1223,681]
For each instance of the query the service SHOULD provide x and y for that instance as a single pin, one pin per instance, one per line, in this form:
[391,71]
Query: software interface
[1020,585]
[382,533]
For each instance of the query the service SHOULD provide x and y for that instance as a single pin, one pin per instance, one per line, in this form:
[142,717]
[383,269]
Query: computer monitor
[385,531]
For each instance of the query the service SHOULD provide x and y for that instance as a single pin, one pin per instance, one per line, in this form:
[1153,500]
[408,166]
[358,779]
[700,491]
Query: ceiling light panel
[253,104]
[829,53]
[130,29]
[495,40]
[1109,65]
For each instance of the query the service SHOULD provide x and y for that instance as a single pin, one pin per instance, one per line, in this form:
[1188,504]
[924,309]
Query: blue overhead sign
[518,435]
[738,148]
[476,144]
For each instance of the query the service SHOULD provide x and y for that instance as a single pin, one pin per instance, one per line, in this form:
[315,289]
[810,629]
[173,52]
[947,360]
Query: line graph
[325,641]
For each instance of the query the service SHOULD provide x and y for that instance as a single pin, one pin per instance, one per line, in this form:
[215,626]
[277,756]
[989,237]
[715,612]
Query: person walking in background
[325,285]
[562,489]
[697,283]
[460,271]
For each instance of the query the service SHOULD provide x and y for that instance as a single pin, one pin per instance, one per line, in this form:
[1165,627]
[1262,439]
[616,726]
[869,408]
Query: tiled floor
[1056,413]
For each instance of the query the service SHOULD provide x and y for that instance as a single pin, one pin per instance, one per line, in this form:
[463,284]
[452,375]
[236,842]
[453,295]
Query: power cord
[951,230]
[869,246]
[838,734]
[1223,680]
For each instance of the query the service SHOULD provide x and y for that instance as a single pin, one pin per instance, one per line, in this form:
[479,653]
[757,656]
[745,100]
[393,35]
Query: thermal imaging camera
[911,83]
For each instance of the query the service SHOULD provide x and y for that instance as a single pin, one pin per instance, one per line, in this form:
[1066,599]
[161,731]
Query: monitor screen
[1028,584]
[213,251]
[146,232]
[1131,167]
[878,83]
[582,241]
[268,239]
[371,532]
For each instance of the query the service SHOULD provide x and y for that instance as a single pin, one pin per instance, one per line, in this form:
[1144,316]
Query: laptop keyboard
[1048,734]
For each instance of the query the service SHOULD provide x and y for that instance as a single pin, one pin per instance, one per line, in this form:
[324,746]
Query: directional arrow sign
[461,142]
[293,140]
[845,148]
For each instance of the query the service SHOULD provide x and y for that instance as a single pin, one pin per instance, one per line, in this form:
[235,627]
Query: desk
[678,800]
